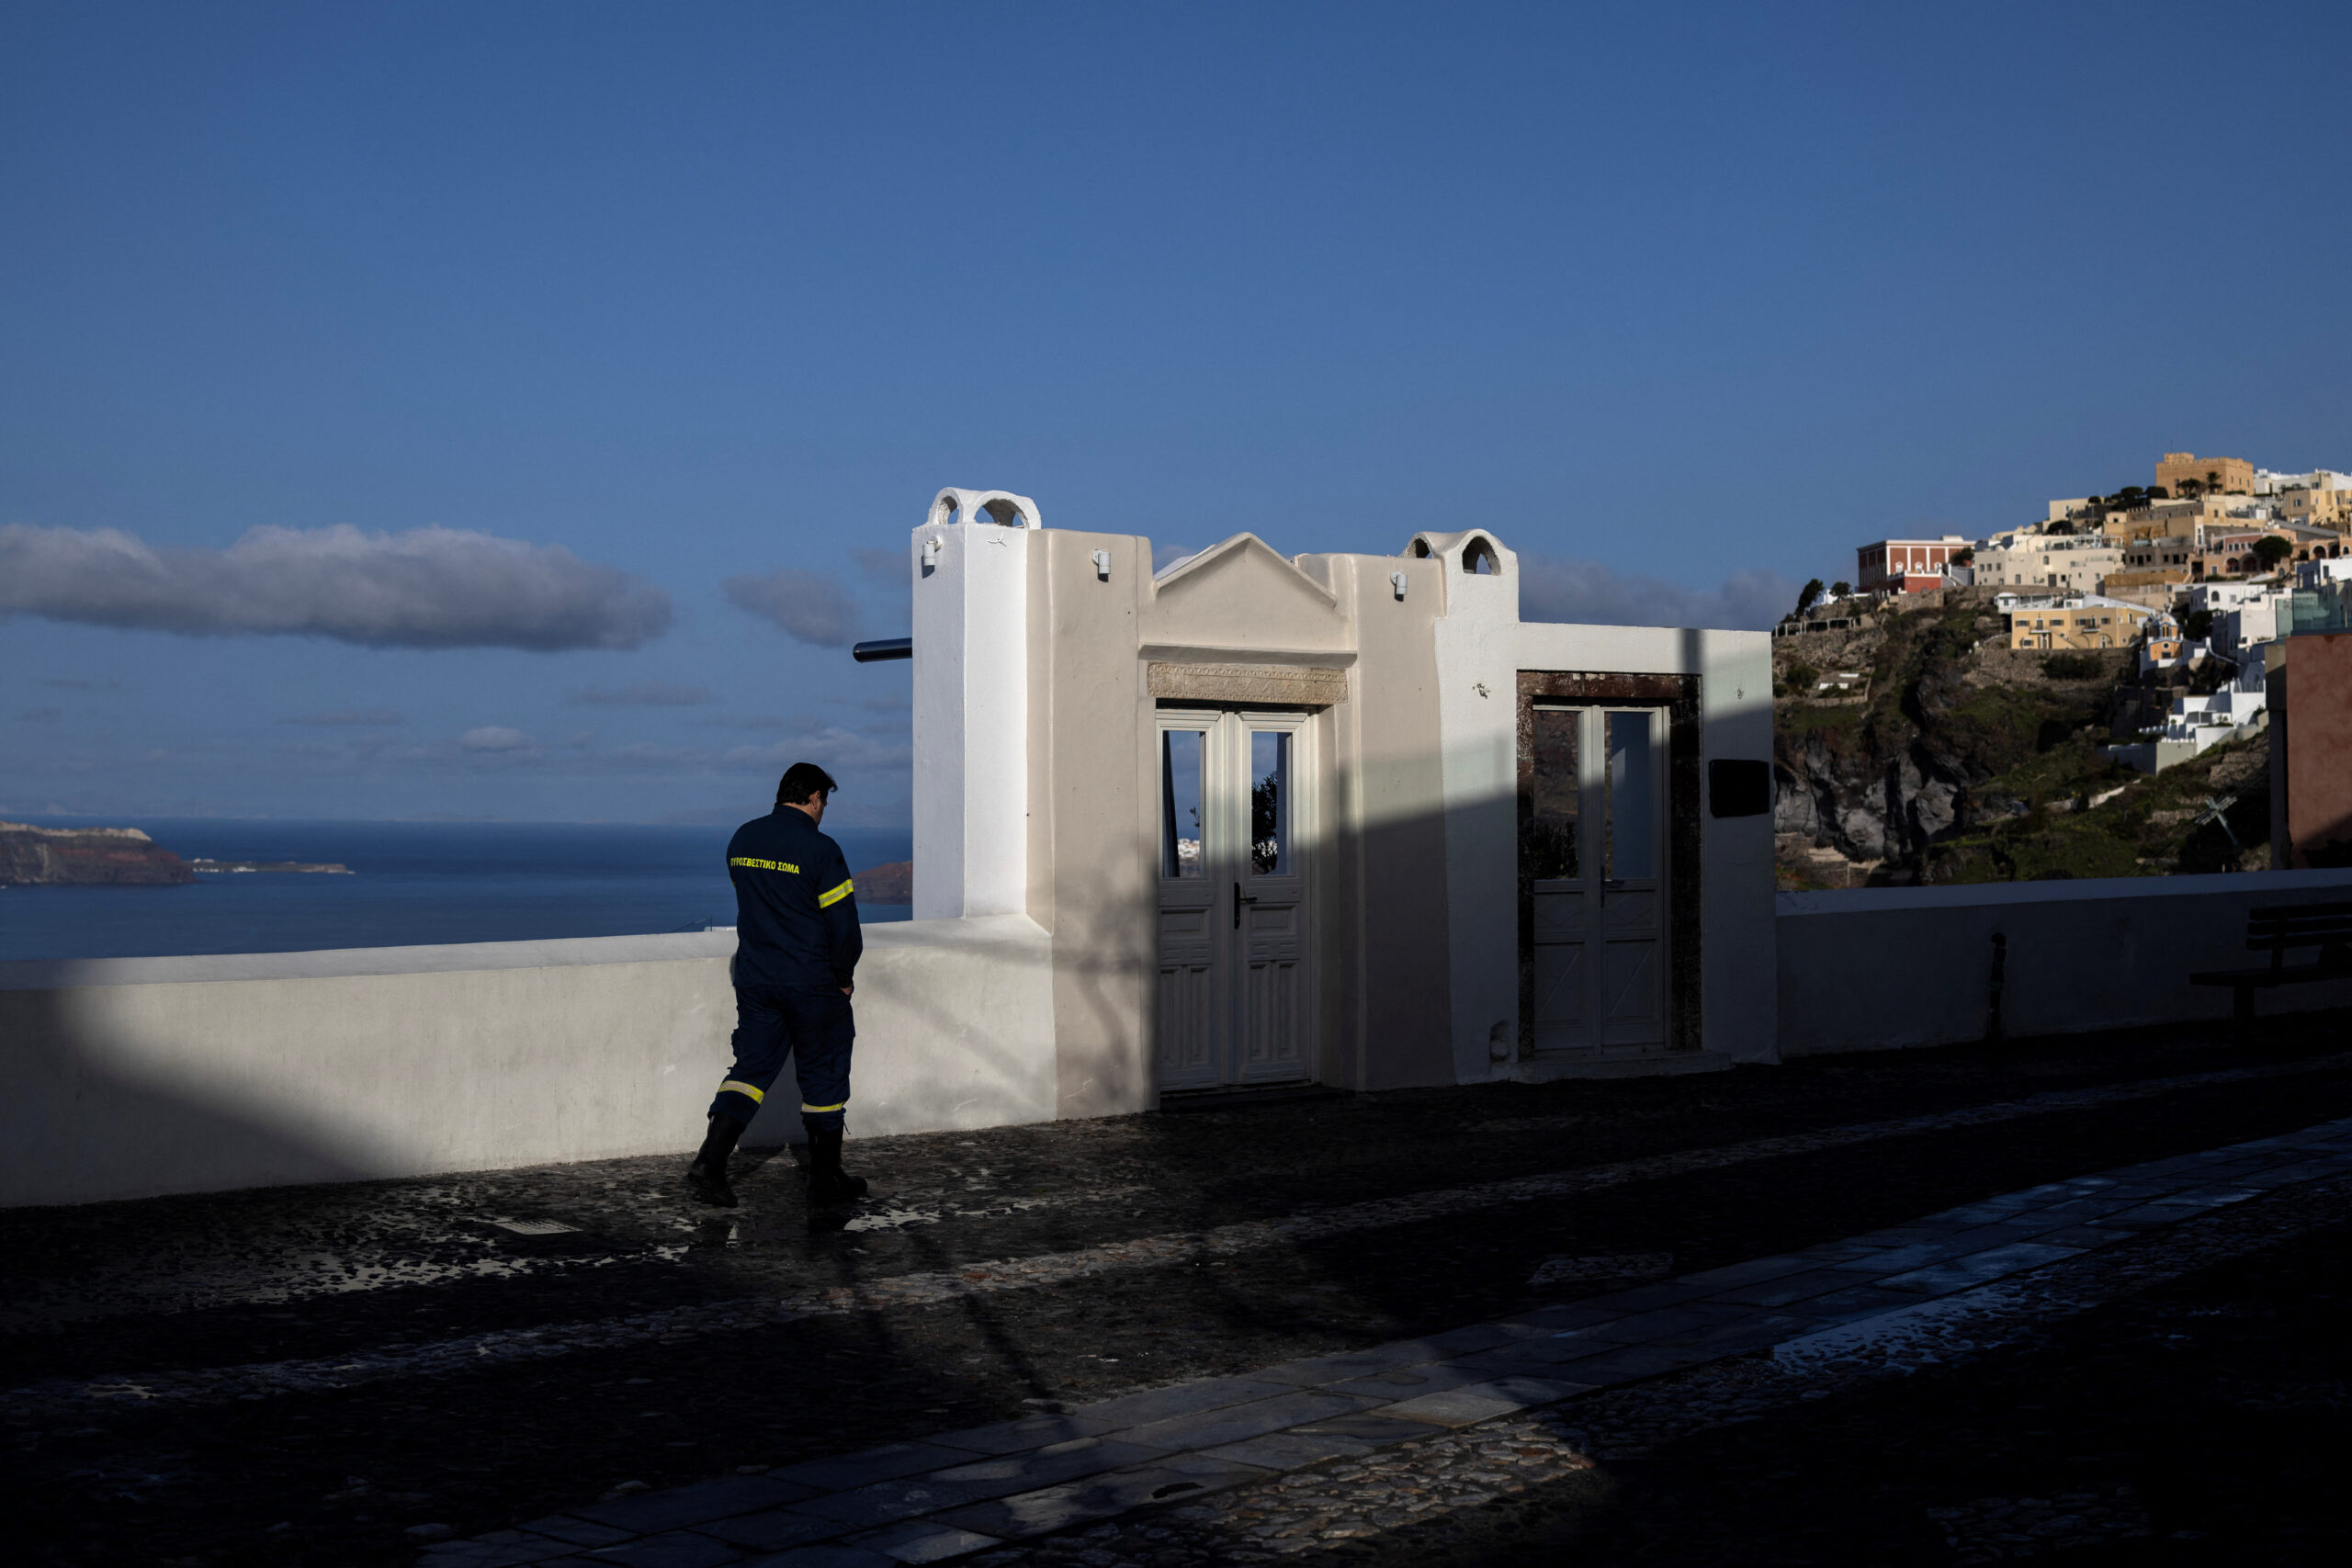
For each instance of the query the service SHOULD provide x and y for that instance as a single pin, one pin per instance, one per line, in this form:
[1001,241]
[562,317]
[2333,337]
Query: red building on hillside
[1905,566]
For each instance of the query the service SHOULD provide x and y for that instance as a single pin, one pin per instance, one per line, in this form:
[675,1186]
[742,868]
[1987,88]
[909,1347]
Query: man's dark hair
[800,781]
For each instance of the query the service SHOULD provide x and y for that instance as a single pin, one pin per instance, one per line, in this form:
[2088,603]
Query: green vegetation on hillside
[1974,763]
[2150,828]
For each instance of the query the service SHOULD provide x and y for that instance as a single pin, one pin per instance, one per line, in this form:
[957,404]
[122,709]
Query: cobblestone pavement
[1941,1286]
[342,1375]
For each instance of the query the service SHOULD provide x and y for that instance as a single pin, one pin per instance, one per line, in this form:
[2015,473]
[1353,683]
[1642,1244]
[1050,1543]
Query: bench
[2327,927]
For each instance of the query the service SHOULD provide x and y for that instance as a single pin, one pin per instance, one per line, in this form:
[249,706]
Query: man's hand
[850,989]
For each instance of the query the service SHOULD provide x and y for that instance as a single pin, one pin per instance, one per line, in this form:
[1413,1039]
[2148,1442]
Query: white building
[2077,564]
[2197,723]
[2269,482]
[2221,597]
[2237,633]
[1269,816]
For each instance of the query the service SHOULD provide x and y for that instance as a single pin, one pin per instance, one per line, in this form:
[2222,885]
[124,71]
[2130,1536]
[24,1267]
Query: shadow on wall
[80,1128]
[954,1031]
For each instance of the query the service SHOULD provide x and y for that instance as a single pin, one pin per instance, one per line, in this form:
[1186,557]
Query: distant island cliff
[891,884]
[86,857]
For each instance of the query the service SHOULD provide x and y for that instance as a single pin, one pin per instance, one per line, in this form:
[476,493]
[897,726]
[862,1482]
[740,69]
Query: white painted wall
[1872,968]
[1736,935]
[1477,705]
[134,1078]
[971,719]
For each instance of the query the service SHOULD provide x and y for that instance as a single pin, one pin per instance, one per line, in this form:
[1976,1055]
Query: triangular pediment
[1244,559]
[1240,591]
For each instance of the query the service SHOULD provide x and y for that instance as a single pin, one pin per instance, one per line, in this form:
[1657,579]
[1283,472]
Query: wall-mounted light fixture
[1396,580]
[1102,565]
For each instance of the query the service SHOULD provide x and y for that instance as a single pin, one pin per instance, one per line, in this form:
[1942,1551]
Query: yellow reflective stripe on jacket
[843,1106]
[763,864]
[741,1087]
[826,901]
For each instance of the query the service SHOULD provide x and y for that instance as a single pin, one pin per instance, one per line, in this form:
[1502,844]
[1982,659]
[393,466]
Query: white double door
[1592,853]
[1234,824]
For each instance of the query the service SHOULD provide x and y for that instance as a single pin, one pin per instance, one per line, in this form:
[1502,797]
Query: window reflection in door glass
[1633,798]
[1180,802]
[1548,843]
[1270,802]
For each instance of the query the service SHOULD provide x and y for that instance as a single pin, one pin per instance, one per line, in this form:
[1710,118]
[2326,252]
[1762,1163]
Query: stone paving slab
[1755,1271]
[674,1551]
[1854,1301]
[1029,1432]
[579,1531]
[1049,1466]
[485,1552]
[1378,1429]
[1485,1400]
[923,1541]
[1626,1363]
[691,1505]
[1291,1450]
[1529,1357]
[1410,1383]
[825,1557]
[1976,1268]
[888,1462]
[1058,1507]
[773,1530]
[973,1490]
[885,1501]
[1787,1289]
[1232,1423]
[1326,1371]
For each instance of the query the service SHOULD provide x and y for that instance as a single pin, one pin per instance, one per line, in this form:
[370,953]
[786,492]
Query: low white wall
[134,1078]
[1870,968]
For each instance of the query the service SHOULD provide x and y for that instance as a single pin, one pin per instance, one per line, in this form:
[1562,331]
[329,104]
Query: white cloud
[424,588]
[888,701]
[1585,592]
[831,747]
[495,738]
[810,607]
[644,694]
[888,568]
[367,717]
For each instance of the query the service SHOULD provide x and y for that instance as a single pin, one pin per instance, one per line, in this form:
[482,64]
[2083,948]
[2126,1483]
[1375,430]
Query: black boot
[828,1182]
[707,1178]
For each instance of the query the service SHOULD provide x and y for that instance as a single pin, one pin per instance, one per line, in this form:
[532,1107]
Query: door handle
[1240,898]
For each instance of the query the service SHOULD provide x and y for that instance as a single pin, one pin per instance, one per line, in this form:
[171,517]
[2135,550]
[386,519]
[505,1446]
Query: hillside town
[2117,637]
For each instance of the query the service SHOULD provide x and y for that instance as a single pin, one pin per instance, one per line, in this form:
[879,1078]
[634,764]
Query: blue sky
[569,313]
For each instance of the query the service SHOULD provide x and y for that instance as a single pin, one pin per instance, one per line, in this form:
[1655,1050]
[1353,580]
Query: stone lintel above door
[1285,686]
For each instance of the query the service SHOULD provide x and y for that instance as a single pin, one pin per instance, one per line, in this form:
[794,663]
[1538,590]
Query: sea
[410,884]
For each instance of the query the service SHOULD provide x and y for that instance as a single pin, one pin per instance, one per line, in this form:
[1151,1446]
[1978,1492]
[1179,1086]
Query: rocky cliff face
[891,884]
[86,857]
[1875,780]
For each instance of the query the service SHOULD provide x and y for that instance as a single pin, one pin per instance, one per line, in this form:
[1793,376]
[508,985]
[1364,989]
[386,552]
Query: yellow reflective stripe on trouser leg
[843,1106]
[739,1086]
[826,901]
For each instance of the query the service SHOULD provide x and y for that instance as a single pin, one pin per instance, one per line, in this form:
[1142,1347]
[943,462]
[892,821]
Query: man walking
[796,946]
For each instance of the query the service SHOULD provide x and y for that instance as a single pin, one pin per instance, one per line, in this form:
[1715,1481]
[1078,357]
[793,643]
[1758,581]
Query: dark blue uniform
[797,944]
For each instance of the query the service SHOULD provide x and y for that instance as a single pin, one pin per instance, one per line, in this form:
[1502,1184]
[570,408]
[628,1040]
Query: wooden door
[1592,872]
[1234,948]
